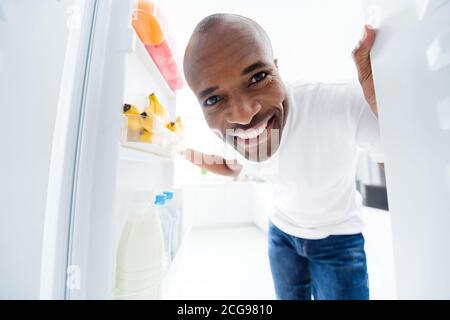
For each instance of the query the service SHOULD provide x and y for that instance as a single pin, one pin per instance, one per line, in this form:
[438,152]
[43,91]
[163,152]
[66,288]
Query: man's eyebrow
[207,91]
[253,67]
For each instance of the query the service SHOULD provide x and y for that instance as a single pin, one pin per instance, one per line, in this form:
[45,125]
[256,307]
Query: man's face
[242,96]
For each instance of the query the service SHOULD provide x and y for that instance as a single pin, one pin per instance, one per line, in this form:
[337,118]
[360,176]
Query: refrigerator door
[411,66]
[64,156]
[90,249]
[43,55]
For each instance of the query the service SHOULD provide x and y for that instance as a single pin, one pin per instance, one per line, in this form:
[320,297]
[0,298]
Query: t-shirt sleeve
[367,129]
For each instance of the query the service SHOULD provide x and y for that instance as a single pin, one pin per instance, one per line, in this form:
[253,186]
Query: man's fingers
[361,54]
[368,39]
[364,46]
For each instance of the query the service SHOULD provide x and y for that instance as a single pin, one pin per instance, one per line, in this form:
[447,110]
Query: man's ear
[276,62]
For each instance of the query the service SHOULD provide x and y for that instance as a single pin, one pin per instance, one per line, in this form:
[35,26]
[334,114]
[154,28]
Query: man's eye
[258,77]
[211,101]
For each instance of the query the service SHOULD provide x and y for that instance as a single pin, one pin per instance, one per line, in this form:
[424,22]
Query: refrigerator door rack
[157,139]
[143,76]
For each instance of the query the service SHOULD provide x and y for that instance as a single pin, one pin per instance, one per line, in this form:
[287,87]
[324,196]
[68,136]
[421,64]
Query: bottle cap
[169,195]
[160,199]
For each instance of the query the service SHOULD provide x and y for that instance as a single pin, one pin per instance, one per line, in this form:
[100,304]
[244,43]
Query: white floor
[228,263]
[232,263]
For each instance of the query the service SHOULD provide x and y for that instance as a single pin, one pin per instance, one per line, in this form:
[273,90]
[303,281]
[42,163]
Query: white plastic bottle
[176,223]
[139,266]
[167,225]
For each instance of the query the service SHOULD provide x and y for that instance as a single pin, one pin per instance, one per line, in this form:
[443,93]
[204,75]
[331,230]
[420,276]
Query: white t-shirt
[313,171]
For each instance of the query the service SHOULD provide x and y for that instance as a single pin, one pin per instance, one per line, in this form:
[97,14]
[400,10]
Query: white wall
[311,38]
[32,51]
[227,203]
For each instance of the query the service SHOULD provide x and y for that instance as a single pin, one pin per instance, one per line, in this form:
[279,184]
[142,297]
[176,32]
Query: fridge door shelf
[143,171]
[137,151]
[142,77]
[142,54]
[160,142]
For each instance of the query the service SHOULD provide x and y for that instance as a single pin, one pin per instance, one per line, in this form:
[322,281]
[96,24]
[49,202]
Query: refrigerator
[411,70]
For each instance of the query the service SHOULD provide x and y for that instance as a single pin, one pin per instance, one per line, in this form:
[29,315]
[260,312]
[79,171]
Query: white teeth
[250,133]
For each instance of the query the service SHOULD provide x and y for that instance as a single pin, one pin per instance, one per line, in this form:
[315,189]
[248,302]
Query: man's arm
[215,164]
[361,57]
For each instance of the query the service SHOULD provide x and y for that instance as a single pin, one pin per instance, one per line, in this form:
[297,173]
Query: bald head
[223,29]
[224,20]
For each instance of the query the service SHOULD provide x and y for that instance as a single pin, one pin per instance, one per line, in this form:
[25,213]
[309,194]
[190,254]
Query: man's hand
[361,57]
[215,164]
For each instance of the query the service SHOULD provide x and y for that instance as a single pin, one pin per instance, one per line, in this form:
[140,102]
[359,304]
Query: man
[303,138]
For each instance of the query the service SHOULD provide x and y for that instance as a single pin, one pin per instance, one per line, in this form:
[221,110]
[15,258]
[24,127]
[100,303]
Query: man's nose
[242,111]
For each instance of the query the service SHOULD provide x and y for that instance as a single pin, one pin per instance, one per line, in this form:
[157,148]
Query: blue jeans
[333,268]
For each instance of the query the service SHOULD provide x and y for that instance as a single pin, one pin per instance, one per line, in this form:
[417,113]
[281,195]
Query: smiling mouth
[256,135]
